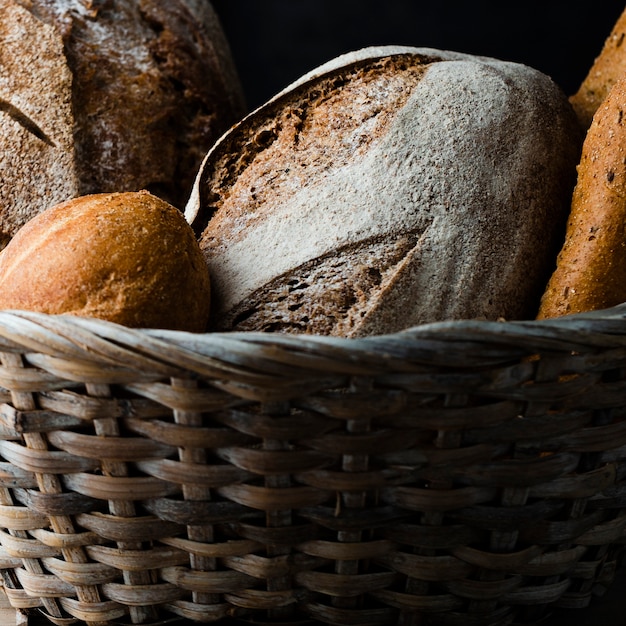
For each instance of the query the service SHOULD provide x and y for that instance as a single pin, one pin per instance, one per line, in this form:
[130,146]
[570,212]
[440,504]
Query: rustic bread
[129,258]
[591,267]
[113,96]
[606,69]
[392,187]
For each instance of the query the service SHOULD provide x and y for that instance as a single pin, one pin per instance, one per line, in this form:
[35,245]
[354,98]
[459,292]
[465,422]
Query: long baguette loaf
[591,266]
[606,70]
[391,187]
[113,96]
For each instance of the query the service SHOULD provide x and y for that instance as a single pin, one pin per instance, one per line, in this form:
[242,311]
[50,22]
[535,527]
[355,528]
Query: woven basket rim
[154,353]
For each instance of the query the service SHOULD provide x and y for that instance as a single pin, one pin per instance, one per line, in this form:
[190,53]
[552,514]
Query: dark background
[275,41]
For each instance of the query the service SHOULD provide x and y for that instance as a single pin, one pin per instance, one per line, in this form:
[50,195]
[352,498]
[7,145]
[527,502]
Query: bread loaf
[129,258]
[605,71]
[108,96]
[391,187]
[591,267]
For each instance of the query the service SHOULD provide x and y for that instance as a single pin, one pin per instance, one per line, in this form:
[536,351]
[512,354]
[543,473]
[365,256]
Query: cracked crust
[392,188]
[331,293]
[129,95]
[37,94]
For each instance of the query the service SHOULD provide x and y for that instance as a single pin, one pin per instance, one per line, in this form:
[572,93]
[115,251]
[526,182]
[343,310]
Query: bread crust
[37,156]
[129,258]
[127,96]
[605,71]
[591,266]
[391,188]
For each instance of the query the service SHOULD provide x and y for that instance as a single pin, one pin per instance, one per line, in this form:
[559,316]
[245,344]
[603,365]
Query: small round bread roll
[591,267]
[129,258]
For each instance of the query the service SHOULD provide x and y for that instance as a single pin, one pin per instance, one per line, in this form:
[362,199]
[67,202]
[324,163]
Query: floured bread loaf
[108,96]
[388,188]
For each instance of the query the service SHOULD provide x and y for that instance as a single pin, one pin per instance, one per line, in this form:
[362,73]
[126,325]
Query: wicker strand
[108,427]
[203,533]
[281,518]
[459,473]
[49,484]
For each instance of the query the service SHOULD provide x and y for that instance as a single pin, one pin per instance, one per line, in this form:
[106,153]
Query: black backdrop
[275,41]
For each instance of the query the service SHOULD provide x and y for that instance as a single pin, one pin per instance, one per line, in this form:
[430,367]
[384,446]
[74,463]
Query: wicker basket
[460,473]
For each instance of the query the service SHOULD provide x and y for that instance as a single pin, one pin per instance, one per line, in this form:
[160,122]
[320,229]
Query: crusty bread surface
[591,266]
[392,187]
[108,97]
[608,67]
[130,258]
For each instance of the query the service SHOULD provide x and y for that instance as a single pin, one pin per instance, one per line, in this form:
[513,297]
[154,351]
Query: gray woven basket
[461,473]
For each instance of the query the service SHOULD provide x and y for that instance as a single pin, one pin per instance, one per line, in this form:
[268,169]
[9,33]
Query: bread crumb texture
[35,95]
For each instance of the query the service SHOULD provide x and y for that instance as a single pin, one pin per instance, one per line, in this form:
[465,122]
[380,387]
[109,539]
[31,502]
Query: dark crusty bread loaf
[388,188]
[108,96]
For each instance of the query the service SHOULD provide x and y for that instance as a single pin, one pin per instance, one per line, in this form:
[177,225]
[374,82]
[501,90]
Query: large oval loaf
[108,96]
[388,188]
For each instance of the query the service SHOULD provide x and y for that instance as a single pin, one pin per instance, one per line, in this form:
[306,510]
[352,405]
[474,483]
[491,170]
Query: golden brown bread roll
[607,68]
[591,267]
[129,258]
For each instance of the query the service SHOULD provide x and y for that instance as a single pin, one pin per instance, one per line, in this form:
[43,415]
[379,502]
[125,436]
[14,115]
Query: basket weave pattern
[461,473]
